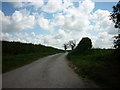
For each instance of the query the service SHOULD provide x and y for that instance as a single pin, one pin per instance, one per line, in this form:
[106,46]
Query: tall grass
[99,65]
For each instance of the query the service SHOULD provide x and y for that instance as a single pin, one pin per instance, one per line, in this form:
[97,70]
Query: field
[16,54]
[99,65]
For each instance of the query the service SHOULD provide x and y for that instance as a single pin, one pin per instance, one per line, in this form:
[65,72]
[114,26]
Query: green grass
[99,65]
[11,62]
[16,54]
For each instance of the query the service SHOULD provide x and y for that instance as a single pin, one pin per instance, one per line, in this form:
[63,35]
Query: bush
[84,45]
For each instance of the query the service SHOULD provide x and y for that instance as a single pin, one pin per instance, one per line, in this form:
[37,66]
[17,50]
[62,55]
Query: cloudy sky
[55,22]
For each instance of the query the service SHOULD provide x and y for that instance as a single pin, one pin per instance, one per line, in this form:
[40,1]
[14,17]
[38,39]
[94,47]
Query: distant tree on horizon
[65,46]
[72,44]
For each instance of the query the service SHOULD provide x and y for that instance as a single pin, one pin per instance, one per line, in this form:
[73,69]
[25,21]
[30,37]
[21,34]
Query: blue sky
[9,9]
[104,5]
[47,24]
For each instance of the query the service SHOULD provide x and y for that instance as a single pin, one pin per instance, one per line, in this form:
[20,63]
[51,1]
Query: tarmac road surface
[48,72]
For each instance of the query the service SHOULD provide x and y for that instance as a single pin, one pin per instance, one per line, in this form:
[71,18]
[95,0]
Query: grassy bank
[99,65]
[11,62]
[16,54]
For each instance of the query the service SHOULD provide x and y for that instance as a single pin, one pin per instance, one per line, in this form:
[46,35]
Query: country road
[48,72]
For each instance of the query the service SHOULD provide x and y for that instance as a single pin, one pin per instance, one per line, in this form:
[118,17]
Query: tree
[115,16]
[83,45]
[117,42]
[72,44]
[65,46]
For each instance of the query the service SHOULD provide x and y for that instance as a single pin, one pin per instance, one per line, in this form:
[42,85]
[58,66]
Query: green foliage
[100,65]
[117,42]
[16,54]
[15,48]
[11,62]
[115,16]
[83,46]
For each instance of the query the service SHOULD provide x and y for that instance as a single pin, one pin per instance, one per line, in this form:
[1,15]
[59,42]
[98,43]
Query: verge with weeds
[99,65]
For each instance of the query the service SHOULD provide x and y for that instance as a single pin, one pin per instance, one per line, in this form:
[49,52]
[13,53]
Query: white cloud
[104,40]
[12,0]
[76,19]
[5,20]
[18,4]
[59,19]
[69,0]
[36,3]
[21,37]
[56,5]
[102,22]
[73,23]
[20,20]
[44,23]
[86,6]
[52,6]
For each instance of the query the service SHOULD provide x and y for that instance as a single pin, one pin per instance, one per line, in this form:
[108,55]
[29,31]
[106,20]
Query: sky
[54,23]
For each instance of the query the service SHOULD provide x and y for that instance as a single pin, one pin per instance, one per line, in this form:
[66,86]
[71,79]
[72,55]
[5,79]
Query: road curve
[49,72]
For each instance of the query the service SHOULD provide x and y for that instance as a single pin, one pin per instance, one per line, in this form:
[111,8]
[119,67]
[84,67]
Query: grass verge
[99,65]
[11,62]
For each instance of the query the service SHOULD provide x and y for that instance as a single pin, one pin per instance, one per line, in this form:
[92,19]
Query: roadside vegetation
[99,65]
[16,54]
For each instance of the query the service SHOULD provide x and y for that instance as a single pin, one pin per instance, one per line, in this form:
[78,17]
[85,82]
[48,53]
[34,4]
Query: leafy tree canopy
[115,16]
[83,45]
